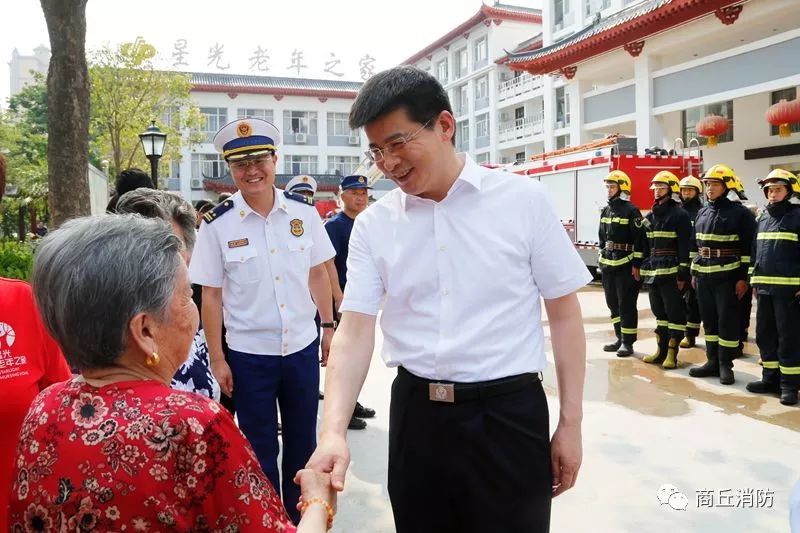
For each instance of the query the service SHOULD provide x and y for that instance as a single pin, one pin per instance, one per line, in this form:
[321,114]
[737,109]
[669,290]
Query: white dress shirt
[262,265]
[462,277]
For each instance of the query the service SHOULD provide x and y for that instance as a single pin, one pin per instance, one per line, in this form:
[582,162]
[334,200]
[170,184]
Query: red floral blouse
[137,456]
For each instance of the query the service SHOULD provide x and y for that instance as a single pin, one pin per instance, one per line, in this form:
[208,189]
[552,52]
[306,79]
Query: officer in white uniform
[302,184]
[260,258]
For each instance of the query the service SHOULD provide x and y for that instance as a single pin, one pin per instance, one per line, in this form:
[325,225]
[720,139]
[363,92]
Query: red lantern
[783,114]
[712,126]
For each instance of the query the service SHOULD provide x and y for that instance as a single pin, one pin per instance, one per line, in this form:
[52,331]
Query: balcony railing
[518,86]
[521,128]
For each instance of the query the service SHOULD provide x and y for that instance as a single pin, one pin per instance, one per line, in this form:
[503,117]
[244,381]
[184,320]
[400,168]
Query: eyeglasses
[376,155]
[239,166]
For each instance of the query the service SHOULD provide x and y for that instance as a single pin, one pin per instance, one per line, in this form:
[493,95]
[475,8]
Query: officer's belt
[450,392]
[616,246]
[664,251]
[708,253]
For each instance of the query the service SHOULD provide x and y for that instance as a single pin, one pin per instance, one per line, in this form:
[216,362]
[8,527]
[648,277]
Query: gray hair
[165,205]
[94,274]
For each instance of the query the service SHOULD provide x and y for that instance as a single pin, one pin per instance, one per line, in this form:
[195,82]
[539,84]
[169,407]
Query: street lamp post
[153,142]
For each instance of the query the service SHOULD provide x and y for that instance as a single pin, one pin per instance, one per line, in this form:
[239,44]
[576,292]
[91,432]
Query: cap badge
[361,179]
[244,129]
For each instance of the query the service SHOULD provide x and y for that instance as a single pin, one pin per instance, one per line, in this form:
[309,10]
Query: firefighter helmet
[780,176]
[691,181]
[722,173]
[667,178]
[621,179]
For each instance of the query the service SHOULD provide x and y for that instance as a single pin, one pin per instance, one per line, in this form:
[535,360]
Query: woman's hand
[315,484]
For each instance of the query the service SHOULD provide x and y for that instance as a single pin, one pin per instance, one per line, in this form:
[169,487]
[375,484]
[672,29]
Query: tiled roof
[248,84]
[534,43]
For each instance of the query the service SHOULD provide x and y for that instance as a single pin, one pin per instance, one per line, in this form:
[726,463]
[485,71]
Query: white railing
[521,128]
[518,86]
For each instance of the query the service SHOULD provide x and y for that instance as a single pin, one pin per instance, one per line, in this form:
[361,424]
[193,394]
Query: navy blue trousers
[263,383]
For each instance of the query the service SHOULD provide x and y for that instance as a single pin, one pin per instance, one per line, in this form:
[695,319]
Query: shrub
[16,260]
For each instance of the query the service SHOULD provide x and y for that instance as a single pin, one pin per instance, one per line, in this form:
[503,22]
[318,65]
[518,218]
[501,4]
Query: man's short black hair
[201,206]
[411,88]
[223,196]
[131,179]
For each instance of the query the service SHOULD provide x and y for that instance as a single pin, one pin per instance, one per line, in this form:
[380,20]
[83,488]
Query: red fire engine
[574,179]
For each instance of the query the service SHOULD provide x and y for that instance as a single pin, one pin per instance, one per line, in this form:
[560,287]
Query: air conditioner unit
[300,138]
[197,184]
[355,140]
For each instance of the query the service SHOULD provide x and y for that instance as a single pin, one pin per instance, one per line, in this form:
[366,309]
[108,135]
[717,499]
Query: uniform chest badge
[297,227]
[238,243]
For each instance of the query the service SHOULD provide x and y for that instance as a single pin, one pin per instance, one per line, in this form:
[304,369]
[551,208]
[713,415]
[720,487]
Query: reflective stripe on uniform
[774,280]
[662,323]
[615,319]
[629,331]
[662,234]
[677,327]
[745,259]
[616,262]
[777,235]
[711,338]
[659,271]
[692,255]
[638,255]
[693,325]
[774,365]
[718,238]
[615,220]
[790,370]
[716,268]
[728,344]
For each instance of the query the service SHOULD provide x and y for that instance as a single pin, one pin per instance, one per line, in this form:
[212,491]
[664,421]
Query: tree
[68,109]
[127,94]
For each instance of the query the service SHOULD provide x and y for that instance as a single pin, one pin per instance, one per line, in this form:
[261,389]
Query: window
[264,114]
[213,119]
[482,158]
[562,141]
[462,136]
[171,117]
[482,88]
[561,14]
[208,166]
[596,6]
[344,165]
[481,52]
[482,125]
[562,107]
[788,95]
[691,117]
[462,102]
[461,63]
[300,122]
[441,71]
[301,164]
[519,113]
[519,157]
[338,125]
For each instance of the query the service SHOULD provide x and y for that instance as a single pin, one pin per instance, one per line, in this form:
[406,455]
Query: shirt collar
[243,208]
[471,173]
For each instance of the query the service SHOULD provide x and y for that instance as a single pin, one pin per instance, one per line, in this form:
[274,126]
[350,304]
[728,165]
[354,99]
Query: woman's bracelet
[328,508]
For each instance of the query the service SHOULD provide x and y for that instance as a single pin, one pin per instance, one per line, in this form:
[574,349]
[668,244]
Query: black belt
[664,252]
[451,392]
[708,253]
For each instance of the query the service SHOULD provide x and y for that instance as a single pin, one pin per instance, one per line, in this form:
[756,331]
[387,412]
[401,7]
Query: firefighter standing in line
[665,268]
[747,302]
[620,235]
[724,233]
[691,194]
[776,281]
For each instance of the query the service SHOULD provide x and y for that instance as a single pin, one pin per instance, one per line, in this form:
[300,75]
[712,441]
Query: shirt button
[441,248]
[286,331]
[272,251]
[282,306]
[277,278]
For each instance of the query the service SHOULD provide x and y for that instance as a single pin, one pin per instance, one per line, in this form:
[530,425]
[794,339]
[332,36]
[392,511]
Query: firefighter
[724,231]
[747,302]
[620,236]
[691,194]
[776,281]
[665,268]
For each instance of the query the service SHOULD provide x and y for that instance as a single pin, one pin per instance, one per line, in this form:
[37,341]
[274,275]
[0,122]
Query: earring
[152,360]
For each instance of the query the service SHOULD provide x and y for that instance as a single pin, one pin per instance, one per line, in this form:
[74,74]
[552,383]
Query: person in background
[691,195]
[128,180]
[202,207]
[30,361]
[222,197]
[115,448]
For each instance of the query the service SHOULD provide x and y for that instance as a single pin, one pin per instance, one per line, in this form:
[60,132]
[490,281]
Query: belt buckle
[705,253]
[442,392]
[609,245]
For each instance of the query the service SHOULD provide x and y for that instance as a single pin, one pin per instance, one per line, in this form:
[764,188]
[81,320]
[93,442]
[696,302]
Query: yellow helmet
[691,181]
[621,179]
[722,173]
[780,175]
[667,178]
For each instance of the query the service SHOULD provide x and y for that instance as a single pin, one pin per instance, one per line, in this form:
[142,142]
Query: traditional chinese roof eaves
[534,43]
[626,26]
[325,182]
[248,84]
[494,12]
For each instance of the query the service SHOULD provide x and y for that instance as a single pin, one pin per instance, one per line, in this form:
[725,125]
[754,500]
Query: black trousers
[744,316]
[720,310]
[474,466]
[622,290]
[669,308]
[692,311]
[778,338]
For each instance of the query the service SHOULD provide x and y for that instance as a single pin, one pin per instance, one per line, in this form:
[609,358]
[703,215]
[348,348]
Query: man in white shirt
[257,255]
[462,255]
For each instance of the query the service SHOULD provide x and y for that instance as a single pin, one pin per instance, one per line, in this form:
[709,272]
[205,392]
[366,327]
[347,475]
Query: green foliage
[127,94]
[16,260]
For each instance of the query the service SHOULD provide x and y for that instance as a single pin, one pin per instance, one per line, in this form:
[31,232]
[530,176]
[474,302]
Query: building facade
[312,116]
[22,67]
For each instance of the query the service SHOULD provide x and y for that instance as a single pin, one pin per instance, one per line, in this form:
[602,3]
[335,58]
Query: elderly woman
[115,448]
[195,373]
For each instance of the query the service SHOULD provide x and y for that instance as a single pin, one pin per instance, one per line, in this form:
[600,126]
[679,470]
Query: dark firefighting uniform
[619,234]
[724,231]
[776,278]
[666,261]
[692,207]
[746,308]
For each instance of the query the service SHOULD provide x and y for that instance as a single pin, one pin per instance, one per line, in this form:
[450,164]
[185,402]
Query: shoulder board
[299,198]
[218,211]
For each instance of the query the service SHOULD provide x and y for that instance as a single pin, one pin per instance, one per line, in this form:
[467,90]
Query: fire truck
[574,180]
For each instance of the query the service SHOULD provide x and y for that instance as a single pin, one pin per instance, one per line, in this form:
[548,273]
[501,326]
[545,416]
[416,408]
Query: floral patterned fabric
[194,375]
[137,456]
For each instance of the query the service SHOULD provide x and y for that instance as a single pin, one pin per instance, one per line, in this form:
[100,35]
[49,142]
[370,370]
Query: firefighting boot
[726,366]
[789,396]
[711,367]
[661,351]
[614,346]
[688,341]
[763,387]
[625,350]
[672,354]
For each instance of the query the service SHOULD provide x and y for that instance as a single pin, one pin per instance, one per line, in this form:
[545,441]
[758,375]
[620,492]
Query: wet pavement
[644,427]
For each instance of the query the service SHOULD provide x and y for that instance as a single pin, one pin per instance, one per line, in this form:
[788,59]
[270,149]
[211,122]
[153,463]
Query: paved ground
[643,427]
